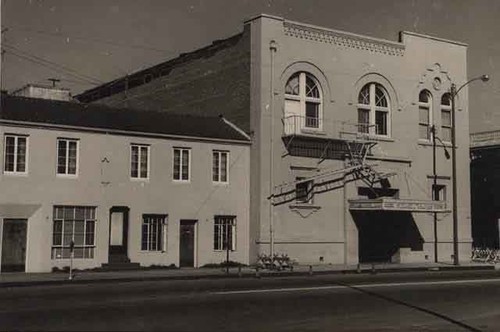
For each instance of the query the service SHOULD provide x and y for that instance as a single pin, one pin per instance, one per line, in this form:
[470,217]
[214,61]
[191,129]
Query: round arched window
[303,101]
[373,110]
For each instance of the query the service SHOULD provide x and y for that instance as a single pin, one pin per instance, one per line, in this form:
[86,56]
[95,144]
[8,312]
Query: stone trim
[342,39]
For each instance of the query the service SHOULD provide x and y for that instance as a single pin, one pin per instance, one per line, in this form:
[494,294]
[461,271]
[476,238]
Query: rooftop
[34,111]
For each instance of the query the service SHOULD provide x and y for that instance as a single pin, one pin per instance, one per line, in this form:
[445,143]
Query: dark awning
[393,204]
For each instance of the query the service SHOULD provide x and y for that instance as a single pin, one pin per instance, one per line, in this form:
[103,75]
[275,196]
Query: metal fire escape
[352,147]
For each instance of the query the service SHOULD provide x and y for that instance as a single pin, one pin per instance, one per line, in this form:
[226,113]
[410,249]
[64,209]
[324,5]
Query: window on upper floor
[182,158]
[303,101]
[67,156]
[220,162]
[373,110]
[15,154]
[446,117]
[139,161]
[424,115]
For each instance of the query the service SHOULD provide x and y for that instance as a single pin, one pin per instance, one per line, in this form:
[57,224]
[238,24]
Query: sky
[88,42]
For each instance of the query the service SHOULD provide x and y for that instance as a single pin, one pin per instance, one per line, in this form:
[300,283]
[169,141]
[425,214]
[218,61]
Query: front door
[14,245]
[118,231]
[186,243]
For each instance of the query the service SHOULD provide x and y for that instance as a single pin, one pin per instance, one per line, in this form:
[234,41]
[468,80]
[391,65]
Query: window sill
[429,143]
[139,179]
[25,174]
[181,181]
[305,206]
[312,131]
[67,176]
[219,183]
[224,250]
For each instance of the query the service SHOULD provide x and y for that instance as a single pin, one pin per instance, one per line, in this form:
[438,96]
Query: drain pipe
[273,48]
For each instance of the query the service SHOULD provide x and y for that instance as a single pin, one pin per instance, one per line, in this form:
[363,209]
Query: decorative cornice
[343,39]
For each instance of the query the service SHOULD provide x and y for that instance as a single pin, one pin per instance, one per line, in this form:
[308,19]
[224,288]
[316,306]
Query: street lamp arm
[454,91]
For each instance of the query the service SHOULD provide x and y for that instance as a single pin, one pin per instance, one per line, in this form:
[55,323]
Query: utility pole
[434,190]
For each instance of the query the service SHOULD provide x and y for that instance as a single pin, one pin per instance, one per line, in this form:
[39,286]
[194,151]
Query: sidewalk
[19,279]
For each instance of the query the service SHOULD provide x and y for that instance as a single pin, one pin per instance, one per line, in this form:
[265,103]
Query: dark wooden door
[118,231]
[186,243]
[14,245]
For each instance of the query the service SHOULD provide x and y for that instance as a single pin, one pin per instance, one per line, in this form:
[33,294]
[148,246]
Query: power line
[50,67]
[94,40]
[40,60]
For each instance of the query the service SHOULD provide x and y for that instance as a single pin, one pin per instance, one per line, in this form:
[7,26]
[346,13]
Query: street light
[434,186]
[454,92]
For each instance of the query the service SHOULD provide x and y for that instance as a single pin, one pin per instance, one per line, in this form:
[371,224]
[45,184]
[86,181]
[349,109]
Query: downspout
[272,48]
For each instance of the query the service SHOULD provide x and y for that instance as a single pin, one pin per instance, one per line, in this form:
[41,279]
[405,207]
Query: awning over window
[392,204]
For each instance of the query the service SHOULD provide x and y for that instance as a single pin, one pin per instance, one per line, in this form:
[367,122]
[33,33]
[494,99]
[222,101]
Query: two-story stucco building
[341,155]
[125,186]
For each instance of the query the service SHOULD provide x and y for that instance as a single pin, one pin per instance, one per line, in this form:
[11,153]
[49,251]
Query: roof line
[411,33]
[120,132]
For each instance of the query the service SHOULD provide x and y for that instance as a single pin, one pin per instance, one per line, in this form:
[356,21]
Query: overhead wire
[93,39]
[42,61]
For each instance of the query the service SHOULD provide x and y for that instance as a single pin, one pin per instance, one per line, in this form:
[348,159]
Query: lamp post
[454,92]
[434,184]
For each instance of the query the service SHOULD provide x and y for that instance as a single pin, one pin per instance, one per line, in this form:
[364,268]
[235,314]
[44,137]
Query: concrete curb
[261,274]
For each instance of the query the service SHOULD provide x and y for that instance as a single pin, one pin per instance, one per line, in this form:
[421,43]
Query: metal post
[71,254]
[273,48]
[454,174]
[227,246]
[434,191]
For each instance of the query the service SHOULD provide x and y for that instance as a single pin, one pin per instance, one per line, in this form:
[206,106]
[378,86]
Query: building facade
[125,187]
[341,127]
[485,157]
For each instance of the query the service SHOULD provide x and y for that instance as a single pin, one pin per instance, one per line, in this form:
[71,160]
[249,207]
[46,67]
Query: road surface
[425,301]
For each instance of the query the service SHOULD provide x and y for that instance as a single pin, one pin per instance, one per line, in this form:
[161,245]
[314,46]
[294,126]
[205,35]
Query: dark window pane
[312,115]
[381,122]
[177,164]
[134,165]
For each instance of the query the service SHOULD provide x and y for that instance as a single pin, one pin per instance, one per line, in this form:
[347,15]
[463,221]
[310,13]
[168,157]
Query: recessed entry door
[118,231]
[14,245]
[187,243]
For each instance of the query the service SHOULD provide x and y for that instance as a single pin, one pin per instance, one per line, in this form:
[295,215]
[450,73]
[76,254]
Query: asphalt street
[425,301]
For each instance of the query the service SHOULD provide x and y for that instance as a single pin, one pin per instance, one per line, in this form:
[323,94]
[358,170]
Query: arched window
[424,114]
[446,117]
[303,100]
[373,110]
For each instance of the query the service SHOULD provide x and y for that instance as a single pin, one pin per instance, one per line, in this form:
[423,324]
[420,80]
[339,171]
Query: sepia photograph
[249,165]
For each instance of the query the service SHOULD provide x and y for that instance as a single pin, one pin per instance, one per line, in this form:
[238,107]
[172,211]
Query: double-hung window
[153,232]
[225,233]
[220,162]
[424,115]
[73,224]
[15,154]
[446,117]
[303,102]
[139,161]
[67,156]
[182,158]
[373,110]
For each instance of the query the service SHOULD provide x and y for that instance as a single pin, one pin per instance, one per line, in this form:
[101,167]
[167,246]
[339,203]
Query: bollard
[257,275]
[291,268]
[373,269]
[310,270]
[239,271]
[358,269]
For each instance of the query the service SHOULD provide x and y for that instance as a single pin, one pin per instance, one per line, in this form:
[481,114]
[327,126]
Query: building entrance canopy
[392,204]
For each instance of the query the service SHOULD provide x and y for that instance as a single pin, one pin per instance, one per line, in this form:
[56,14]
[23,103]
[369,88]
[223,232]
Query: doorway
[187,243]
[14,245]
[118,233]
